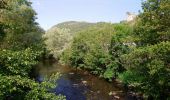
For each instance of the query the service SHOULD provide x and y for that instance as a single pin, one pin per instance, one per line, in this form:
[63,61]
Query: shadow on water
[79,84]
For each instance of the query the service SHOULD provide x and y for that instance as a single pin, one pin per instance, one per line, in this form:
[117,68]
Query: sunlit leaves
[13,86]
[98,49]
[17,62]
[154,23]
[21,46]
[149,67]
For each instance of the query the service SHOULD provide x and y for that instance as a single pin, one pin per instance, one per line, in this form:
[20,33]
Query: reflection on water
[79,84]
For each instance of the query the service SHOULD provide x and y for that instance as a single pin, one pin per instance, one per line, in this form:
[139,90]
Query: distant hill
[60,36]
[74,26]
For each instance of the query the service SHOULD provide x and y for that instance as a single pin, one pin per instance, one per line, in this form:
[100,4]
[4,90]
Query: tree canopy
[21,45]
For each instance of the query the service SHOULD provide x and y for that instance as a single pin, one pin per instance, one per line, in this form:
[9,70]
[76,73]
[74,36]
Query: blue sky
[52,12]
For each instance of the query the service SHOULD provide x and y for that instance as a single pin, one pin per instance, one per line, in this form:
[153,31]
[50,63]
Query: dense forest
[136,53]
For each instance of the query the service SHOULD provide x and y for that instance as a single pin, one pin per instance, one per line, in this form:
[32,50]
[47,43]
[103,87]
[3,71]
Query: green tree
[147,67]
[59,37]
[57,40]
[99,48]
[17,17]
[20,48]
[121,44]
[153,23]
[148,70]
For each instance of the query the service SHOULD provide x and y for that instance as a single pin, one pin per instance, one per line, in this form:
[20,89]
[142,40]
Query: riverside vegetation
[21,45]
[137,53]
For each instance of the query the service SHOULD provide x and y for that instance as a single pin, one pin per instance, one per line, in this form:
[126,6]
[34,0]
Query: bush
[148,70]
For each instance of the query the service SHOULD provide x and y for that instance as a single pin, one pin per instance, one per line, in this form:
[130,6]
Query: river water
[79,84]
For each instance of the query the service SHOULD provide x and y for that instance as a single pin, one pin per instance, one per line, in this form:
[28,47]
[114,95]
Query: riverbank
[77,84]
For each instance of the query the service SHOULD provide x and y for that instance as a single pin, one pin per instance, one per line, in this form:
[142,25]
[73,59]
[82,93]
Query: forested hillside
[60,36]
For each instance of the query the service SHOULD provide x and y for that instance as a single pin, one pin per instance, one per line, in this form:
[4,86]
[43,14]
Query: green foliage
[17,16]
[121,44]
[90,48]
[147,67]
[14,78]
[137,52]
[57,40]
[110,72]
[148,70]
[17,87]
[59,37]
[17,25]
[94,49]
[153,24]
[21,45]
[41,91]
[17,62]
[74,26]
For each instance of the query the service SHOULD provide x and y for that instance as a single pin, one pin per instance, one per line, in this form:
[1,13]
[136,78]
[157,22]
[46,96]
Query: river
[80,84]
